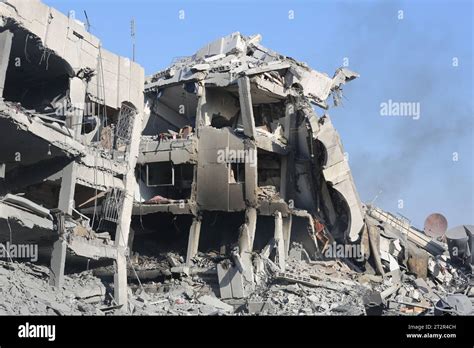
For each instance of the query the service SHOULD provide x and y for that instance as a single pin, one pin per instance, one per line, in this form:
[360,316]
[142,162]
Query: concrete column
[251,175]
[327,202]
[66,199]
[120,277]
[193,241]
[125,216]
[374,240]
[287,223]
[68,185]
[206,116]
[279,241]
[58,262]
[283,176]
[246,239]
[5,48]
[287,183]
[246,109]
[131,238]
[58,256]
[247,235]
[251,217]
[287,121]
[201,114]
[77,93]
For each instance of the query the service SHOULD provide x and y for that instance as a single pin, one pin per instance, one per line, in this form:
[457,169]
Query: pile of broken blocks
[304,287]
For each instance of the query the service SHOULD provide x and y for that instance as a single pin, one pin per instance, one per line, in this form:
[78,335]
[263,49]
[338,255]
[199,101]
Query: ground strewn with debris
[25,290]
[167,287]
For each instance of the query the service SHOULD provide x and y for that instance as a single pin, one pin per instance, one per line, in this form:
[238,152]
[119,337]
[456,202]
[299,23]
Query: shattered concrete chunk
[215,302]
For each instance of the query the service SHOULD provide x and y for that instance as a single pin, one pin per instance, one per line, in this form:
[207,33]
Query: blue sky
[403,60]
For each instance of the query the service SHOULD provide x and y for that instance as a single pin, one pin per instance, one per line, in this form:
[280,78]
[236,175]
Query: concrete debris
[25,291]
[215,302]
[456,304]
[217,186]
[298,253]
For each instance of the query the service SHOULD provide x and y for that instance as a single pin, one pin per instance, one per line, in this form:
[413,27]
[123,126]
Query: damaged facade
[221,176]
[232,139]
[68,113]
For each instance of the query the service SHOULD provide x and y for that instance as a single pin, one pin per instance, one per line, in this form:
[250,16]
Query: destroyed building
[221,176]
[232,140]
[57,153]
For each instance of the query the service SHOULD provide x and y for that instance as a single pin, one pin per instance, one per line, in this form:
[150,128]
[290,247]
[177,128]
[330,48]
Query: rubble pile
[166,286]
[24,290]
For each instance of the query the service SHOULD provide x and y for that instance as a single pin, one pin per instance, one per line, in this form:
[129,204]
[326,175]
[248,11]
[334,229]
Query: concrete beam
[193,241]
[412,234]
[5,48]
[83,247]
[169,115]
[28,219]
[55,136]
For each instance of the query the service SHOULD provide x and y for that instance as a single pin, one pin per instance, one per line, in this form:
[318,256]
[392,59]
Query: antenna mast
[88,24]
[132,34]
